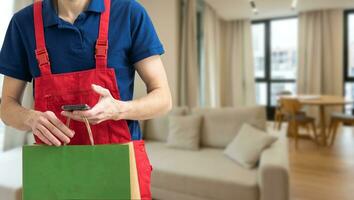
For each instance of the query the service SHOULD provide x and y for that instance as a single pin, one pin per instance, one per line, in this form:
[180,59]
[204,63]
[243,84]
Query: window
[258,31]
[275,58]
[284,49]
[261,91]
[349,58]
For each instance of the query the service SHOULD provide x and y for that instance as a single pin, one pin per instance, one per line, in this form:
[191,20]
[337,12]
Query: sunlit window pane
[277,88]
[349,96]
[349,86]
[284,41]
[261,93]
[258,35]
[351,45]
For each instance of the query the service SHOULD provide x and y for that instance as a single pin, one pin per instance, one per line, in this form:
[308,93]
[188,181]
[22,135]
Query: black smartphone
[76,107]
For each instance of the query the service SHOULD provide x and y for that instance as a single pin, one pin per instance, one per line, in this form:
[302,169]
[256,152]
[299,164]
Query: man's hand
[157,102]
[107,108]
[48,128]
[45,125]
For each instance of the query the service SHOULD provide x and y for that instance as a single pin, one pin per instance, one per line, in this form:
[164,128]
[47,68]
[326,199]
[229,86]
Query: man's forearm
[14,115]
[156,103]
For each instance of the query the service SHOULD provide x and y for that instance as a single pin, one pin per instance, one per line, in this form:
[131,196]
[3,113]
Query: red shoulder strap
[41,50]
[102,41]
[101,44]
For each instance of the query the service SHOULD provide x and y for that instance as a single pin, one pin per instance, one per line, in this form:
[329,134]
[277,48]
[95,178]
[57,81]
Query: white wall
[14,138]
[165,16]
[6,11]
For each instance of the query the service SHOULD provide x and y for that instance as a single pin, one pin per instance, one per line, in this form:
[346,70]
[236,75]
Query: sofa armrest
[273,172]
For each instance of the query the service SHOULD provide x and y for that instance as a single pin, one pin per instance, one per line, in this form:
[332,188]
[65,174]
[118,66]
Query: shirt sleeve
[145,41]
[13,57]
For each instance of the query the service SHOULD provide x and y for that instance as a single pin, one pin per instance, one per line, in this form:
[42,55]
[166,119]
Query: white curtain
[227,68]
[320,70]
[237,69]
[188,71]
[211,58]
[15,138]
[321,52]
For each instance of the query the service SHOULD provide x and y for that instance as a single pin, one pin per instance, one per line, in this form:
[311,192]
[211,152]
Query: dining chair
[279,116]
[336,120]
[297,119]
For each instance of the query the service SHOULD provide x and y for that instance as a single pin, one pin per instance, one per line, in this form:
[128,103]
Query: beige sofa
[193,175]
[207,174]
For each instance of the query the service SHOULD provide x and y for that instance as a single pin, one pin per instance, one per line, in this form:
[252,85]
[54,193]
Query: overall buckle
[42,57]
[101,48]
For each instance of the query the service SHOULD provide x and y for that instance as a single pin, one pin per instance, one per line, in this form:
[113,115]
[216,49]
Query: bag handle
[88,127]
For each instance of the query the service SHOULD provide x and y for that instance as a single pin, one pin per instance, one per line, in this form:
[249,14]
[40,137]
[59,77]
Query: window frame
[268,62]
[347,77]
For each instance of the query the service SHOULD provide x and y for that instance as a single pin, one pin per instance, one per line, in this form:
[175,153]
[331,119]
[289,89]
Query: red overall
[54,90]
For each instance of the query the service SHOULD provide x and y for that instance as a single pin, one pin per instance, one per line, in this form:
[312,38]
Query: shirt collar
[50,17]
[96,6]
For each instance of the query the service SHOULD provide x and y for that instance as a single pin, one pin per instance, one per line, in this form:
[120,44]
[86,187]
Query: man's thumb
[100,90]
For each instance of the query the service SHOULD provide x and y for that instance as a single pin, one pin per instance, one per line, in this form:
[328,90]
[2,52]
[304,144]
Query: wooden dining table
[322,102]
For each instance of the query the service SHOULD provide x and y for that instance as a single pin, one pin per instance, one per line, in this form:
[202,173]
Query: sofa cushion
[184,132]
[11,174]
[220,126]
[248,145]
[206,173]
[157,129]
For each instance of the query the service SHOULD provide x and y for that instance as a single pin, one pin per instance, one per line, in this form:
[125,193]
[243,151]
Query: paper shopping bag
[103,172]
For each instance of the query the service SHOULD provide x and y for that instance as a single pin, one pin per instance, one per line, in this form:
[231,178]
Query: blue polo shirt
[132,37]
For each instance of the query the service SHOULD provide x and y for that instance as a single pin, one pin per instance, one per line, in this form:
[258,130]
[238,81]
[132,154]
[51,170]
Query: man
[87,52]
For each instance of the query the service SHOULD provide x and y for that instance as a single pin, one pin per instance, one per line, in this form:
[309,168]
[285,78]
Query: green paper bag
[104,172]
[77,172]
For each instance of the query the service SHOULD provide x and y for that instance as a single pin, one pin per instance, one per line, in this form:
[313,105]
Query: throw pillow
[184,132]
[248,145]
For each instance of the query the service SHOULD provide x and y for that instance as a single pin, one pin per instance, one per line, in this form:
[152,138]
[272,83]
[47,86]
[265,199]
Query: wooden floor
[323,173]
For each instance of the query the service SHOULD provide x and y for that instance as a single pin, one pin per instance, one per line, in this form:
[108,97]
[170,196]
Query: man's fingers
[59,125]
[55,131]
[72,116]
[79,117]
[49,135]
[89,114]
[96,120]
[42,137]
[92,120]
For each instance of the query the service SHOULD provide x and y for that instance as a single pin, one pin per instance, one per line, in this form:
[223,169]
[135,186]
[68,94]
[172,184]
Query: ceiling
[239,9]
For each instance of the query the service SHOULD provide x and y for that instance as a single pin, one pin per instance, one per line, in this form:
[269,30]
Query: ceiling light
[254,7]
